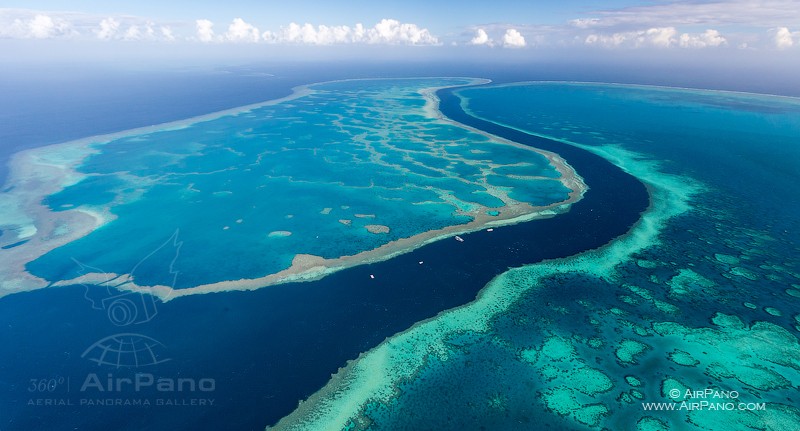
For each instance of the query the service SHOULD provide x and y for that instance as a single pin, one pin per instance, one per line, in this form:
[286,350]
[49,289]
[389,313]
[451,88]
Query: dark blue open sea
[243,360]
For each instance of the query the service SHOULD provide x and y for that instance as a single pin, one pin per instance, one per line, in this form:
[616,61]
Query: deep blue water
[269,348]
[40,107]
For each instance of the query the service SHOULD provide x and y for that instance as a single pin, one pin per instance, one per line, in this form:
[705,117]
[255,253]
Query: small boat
[459,239]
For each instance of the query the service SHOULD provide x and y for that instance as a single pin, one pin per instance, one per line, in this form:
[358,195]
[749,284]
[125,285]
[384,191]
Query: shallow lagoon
[340,174]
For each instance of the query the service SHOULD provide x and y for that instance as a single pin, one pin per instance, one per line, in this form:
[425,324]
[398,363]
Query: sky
[749,45]
[497,24]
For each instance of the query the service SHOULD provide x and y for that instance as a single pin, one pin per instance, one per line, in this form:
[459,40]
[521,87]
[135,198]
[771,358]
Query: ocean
[581,340]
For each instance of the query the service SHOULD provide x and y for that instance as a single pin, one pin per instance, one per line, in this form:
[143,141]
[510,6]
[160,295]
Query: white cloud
[783,38]
[166,33]
[24,23]
[140,32]
[241,31]
[205,30]
[662,37]
[310,35]
[696,24]
[33,24]
[709,38]
[387,31]
[393,32]
[767,13]
[743,23]
[39,26]
[513,39]
[147,31]
[481,38]
[596,39]
[108,29]
[584,22]
[133,33]
[658,37]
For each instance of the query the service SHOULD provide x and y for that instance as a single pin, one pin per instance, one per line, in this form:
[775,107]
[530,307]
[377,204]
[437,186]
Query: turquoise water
[307,175]
[703,294]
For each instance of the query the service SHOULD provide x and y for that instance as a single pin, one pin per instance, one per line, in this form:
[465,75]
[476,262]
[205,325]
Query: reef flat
[337,175]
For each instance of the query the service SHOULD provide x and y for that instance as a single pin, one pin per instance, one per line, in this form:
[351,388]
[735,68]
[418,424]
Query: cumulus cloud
[42,27]
[584,22]
[204,30]
[709,38]
[241,31]
[147,31]
[39,26]
[661,37]
[32,24]
[506,37]
[783,38]
[393,32]
[140,32]
[108,29]
[658,37]
[133,33]
[320,35]
[513,39]
[744,22]
[767,13]
[481,38]
[24,23]
[387,31]
[166,33]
